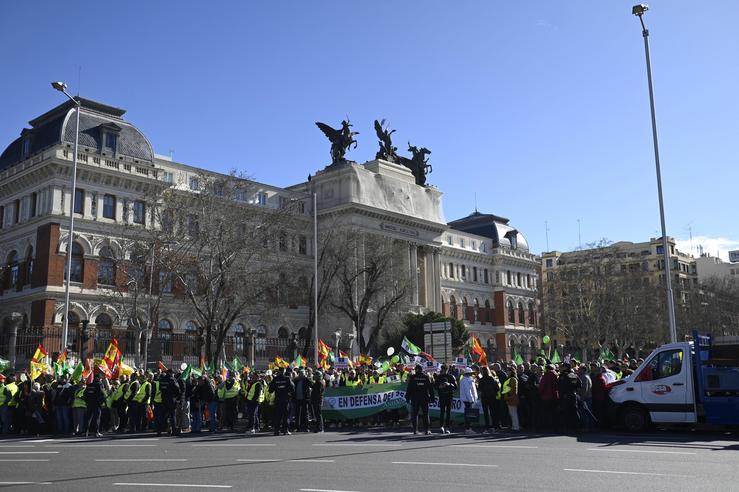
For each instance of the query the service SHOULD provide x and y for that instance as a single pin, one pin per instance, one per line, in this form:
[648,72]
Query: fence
[171,348]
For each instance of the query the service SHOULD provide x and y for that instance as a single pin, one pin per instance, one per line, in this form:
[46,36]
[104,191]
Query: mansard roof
[493,227]
[58,126]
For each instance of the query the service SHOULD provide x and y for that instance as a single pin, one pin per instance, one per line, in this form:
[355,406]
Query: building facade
[477,269]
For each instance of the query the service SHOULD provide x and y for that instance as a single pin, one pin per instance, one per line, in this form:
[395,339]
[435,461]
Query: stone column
[414,273]
[436,291]
[13,323]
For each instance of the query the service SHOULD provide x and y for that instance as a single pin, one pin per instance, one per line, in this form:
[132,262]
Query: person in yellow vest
[510,396]
[228,393]
[8,392]
[120,397]
[139,403]
[267,406]
[79,408]
[254,395]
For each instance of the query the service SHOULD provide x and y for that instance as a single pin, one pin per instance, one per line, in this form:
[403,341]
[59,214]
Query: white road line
[141,459]
[257,460]
[639,451]
[508,446]
[391,445]
[132,484]
[627,473]
[25,483]
[20,461]
[325,490]
[84,445]
[208,445]
[29,452]
[312,461]
[16,446]
[440,464]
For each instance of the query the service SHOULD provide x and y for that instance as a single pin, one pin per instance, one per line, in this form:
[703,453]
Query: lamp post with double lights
[337,337]
[62,87]
[639,11]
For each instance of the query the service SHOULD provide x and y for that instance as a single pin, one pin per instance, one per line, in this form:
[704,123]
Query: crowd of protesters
[537,396]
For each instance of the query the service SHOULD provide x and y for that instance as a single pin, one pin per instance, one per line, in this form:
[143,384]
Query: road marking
[440,464]
[132,484]
[85,445]
[29,452]
[232,445]
[325,490]
[25,483]
[17,446]
[627,473]
[639,451]
[141,459]
[257,460]
[39,440]
[20,461]
[312,461]
[393,445]
[494,446]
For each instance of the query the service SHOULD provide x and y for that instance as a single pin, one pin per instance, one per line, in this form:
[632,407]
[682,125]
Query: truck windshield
[663,365]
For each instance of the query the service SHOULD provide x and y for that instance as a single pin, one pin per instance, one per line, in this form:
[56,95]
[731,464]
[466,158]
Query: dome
[58,126]
[494,227]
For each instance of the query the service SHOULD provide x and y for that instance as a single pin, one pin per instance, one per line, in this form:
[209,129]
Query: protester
[510,396]
[316,399]
[445,386]
[468,396]
[488,387]
[284,389]
[419,392]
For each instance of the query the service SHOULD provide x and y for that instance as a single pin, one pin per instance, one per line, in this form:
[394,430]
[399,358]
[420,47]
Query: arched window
[488,314]
[73,326]
[283,333]
[453,307]
[261,339]
[103,325]
[12,268]
[192,342]
[29,265]
[78,261]
[239,334]
[164,332]
[475,311]
[511,312]
[106,267]
[532,315]
[302,332]
[103,320]
[464,308]
[521,314]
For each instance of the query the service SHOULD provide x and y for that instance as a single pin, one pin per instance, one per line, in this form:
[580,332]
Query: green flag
[408,346]
[77,373]
[555,357]
[518,359]
[196,371]
[186,373]
[237,365]
[4,364]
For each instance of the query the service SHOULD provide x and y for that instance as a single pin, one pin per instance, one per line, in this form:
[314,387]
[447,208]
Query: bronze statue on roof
[341,140]
[387,152]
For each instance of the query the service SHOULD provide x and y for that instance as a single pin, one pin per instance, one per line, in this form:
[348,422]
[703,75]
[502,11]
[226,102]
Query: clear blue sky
[538,107]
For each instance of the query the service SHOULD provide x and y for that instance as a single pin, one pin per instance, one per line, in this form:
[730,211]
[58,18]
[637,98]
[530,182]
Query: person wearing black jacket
[445,385]
[488,388]
[62,399]
[303,387]
[254,395]
[283,388]
[165,396]
[94,397]
[419,392]
[316,399]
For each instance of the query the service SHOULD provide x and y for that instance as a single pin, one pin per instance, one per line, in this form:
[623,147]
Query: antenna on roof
[171,154]
[546,231]
[475,202]
[79,79]
[579,237]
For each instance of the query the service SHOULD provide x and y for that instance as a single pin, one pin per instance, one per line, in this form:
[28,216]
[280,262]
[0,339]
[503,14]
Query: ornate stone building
[478,268]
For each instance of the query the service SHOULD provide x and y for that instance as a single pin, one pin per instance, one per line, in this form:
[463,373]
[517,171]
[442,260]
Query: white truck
[688,382]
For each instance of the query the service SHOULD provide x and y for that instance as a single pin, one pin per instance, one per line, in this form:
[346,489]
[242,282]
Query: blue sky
[539,108]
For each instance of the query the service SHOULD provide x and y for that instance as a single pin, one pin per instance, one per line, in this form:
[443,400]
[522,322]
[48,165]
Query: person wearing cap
[468,396]
[419,393]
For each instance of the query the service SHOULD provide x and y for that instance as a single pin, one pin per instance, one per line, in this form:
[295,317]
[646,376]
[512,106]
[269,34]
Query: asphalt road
[375,461]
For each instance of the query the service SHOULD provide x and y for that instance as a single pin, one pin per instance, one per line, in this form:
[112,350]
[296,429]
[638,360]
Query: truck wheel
[635,419]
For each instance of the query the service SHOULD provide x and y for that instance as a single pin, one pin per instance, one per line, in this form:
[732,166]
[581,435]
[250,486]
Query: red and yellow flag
[40,354]
[477,349]
[112,357]
[62,357]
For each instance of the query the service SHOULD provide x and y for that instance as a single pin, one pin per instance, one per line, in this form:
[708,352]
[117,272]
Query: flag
[124,369]
[426,356]
[555,357]
[4,364]
[102,367]
[62,357]
[224,373]
[112,357]
[408,346]
[37,369]
[39,354]
[186,373]
[280,362]
[364,360]
[323,350]
[477,349]
[518,359]
[236,365]
[77,373]
[161,366]
[349,362]
[300,361]
[197,372]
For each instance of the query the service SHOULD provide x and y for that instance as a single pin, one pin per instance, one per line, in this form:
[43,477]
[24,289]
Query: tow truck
[691,382]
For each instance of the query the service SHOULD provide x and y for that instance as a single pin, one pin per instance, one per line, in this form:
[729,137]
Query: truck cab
[682,383]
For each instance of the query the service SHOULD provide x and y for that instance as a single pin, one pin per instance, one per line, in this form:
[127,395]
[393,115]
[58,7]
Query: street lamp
[62,87]
[639,11]
[251,332]
[352,336]
[337,337]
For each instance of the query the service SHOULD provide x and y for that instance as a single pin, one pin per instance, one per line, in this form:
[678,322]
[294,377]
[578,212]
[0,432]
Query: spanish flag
[112,357]
[477,349]
[39,354]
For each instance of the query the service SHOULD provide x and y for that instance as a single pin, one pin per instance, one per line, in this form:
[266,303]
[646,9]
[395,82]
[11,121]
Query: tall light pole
[315,280]
[639,11]
[62,87]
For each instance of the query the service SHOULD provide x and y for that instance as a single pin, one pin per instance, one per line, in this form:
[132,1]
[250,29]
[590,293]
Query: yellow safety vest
[226,394]
[118,392]
[79,402]
[127,394]
[13,388]
[2,394]
[141,393]
[252,390]
[157,393]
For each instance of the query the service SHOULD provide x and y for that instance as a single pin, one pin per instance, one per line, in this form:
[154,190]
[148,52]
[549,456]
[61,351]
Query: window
[472,244]
[463,269]
[29,265]
[110,141]
[194,183]
[511,313]
[26,147]
[2,216]
[485,275]
[77,263]
[284,202]
[521,314]
[12,269]
[240,195]
[165,282]
[79,200]
[484,247]
[449,240]
[549,263]
[283,333]
[239,336]
[451,270]
[663,365]
[302,245]
[531,314]
[34,199]
[109,206]
[518,279]
[660,250]
[218,189]
[474,274]
[528,281]
[139,212]
[461,242]
[164,331]
[509,278]
[453,307]
[282,241]
[168,177]
[262,199]
[106,268]
[193,226]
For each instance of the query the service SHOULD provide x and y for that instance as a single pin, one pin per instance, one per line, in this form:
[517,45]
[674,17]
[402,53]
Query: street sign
[734,256]
[437,340]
